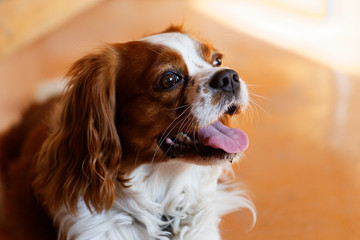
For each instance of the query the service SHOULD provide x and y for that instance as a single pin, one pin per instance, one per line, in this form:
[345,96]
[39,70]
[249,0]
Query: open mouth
[215,140]
[232,110]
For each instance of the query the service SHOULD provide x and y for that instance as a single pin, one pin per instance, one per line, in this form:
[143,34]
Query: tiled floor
[302,168]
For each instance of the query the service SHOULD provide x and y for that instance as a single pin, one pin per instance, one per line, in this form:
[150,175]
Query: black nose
[226,80]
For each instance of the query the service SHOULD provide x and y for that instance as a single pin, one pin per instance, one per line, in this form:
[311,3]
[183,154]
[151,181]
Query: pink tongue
[217,135]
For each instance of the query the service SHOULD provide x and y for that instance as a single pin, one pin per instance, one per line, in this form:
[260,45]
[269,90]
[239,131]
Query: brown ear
[82,158]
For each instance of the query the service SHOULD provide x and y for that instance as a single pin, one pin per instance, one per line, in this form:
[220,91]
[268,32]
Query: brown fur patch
[216,97]
[25,218]
[206,90]
[202,101]
[206,51]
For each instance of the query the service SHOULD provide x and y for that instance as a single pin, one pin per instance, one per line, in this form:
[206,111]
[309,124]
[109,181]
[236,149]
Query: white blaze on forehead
[184,45]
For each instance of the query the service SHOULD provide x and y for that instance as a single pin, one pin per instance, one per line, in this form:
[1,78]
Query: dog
[135,148]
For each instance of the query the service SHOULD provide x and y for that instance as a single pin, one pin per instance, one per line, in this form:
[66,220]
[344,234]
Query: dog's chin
[206,156]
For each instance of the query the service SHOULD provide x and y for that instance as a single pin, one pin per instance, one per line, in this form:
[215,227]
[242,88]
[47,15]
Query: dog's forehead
[187,47]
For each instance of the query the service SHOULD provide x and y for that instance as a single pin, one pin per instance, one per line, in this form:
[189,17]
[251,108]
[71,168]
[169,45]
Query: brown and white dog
[134,148]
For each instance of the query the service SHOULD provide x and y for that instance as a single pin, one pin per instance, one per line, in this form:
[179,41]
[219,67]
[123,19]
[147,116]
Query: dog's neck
[165,200]
[163,182]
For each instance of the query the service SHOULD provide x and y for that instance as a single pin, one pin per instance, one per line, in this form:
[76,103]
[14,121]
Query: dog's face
[172,90]
[162,97]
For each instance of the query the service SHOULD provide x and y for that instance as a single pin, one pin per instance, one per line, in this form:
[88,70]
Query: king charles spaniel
[136,147]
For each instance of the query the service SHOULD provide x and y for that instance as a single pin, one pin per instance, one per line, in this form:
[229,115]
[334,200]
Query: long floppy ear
[82,158]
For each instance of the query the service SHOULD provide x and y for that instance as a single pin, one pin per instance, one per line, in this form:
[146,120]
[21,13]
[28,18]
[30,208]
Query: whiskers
[254,106]
[186,123]
[177,108]
[171,127]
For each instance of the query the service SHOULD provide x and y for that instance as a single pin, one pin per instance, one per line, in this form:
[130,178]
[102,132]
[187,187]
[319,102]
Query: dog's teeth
[184,138]
[169,141]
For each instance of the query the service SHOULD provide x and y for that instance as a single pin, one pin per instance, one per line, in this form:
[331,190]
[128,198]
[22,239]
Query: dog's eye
[168,80]
[217,62]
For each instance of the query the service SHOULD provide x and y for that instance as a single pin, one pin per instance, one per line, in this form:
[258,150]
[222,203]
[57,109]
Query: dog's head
[162,97]
[172,95]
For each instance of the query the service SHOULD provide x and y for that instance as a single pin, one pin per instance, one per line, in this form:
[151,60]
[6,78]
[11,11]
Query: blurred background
[300,58]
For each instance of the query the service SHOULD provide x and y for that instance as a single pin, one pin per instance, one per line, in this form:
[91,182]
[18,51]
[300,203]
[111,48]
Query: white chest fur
[185,198]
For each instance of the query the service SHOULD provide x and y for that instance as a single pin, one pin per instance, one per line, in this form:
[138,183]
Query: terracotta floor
[302,168]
